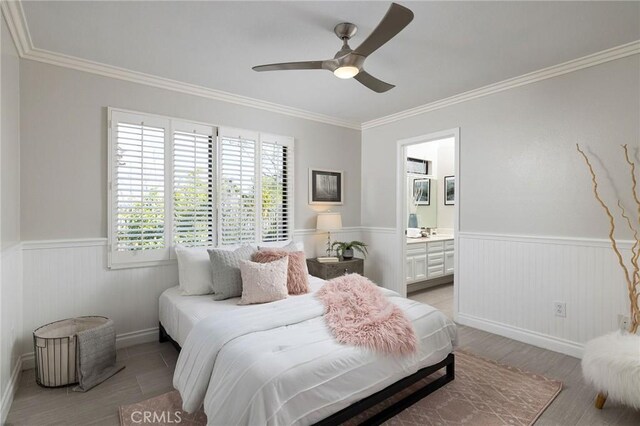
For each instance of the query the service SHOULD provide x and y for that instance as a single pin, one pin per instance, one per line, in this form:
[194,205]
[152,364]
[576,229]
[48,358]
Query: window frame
[166,255]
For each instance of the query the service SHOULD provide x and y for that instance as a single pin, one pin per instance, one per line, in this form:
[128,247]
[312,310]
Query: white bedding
[179,313]
[277,364]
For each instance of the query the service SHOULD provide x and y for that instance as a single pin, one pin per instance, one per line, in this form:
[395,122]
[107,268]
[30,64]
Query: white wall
[64,145]
[520,175]
[10,251]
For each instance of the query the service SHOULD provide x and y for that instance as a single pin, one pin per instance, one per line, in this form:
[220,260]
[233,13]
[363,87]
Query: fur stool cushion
[611,363]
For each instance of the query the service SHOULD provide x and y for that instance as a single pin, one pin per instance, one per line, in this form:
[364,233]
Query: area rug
[484,393]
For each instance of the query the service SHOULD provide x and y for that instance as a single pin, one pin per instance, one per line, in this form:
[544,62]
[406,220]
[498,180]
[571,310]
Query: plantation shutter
[138,145]
[193,184]
[276,175]
[238,186]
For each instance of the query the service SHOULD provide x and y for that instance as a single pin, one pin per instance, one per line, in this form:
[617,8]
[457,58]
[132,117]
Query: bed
[283,367]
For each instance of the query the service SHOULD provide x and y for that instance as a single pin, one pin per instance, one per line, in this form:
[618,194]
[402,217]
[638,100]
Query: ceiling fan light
[346,72]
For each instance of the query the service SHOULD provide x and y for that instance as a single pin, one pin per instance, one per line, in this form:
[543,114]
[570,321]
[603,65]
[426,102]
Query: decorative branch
[634,249]
[635,253]
[636,279]
[631,279]
[634,182]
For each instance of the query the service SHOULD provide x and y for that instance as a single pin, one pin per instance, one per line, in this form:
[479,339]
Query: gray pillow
[225,268]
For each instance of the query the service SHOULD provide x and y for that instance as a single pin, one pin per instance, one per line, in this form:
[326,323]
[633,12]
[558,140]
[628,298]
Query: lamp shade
[329,221]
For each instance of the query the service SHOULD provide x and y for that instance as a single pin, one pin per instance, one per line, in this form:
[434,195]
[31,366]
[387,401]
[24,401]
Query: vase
[413,220]
[347,254]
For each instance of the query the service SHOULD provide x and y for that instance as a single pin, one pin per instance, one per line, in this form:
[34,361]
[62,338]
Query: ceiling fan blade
[373,83]
[305,65]
[394,21]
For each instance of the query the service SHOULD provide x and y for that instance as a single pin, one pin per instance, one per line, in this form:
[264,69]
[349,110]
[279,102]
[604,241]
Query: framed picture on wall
[422,192]
[449,190]
[326,186]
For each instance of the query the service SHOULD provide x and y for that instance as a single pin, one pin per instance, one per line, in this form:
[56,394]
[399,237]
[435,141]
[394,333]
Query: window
[193,185]
[276,189]
[174,182]
[238,186]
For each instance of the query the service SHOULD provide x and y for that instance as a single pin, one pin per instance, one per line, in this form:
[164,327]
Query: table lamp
[328,222]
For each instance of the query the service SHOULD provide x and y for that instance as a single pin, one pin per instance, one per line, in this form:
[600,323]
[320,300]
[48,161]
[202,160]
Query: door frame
[402,211]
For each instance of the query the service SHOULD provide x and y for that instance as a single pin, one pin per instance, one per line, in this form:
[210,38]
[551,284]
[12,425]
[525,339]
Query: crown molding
[104,70]
[612,54]
[17,24]
[19,31]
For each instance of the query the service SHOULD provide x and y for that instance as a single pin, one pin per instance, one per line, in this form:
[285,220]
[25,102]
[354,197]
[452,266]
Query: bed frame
[353,410]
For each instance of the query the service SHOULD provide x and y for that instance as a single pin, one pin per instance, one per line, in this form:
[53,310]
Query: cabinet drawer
[435,259]
[435,246]
[435,271]
[328,271]
[449,244]
[413,249]
[335,271]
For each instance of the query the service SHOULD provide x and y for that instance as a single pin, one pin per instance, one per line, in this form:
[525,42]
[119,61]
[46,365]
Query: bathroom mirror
[422,200]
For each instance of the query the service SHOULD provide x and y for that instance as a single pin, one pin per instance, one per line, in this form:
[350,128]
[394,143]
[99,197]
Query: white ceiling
[449,48]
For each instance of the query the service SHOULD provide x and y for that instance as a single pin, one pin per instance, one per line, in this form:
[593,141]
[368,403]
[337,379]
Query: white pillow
[263,282]
[194,271]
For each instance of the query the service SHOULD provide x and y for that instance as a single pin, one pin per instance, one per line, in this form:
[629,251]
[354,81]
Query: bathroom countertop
[431,238]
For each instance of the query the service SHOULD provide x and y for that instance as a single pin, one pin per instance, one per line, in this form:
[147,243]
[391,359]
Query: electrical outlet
[623,322]
[560,309]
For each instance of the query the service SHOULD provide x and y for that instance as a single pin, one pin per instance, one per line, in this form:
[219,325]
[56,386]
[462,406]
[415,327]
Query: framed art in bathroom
[422,192]
[449,190]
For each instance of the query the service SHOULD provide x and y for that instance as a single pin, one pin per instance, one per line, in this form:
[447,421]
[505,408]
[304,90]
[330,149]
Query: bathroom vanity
[430,260]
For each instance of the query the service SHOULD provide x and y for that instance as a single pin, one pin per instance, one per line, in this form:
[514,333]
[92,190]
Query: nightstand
[327,271]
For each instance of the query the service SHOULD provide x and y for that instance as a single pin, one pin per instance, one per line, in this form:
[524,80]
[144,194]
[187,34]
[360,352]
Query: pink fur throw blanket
[358,313]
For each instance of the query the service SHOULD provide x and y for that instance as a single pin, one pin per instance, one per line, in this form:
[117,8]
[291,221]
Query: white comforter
[277,364]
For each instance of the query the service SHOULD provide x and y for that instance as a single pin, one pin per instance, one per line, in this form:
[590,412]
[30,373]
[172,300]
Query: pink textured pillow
[297,275]
[263,282]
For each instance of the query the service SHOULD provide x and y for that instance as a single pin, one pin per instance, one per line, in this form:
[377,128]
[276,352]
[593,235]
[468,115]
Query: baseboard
[122,341]
[136,337]
[7,397]
[434,282]
[545,341]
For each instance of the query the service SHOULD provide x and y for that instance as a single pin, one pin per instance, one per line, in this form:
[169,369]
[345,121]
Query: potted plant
[346,248]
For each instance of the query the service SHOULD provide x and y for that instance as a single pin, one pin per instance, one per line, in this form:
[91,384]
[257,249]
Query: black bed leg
[162,335]
[451,368]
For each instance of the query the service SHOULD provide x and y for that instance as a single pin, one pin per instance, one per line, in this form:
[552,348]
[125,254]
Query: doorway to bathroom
[428,218]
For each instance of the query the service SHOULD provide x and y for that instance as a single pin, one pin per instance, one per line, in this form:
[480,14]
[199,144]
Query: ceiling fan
[348,63]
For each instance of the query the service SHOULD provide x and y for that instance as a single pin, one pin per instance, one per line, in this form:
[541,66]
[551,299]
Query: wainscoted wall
[513,298]
[11,323]
[380,265]
[67,278]
[508,284]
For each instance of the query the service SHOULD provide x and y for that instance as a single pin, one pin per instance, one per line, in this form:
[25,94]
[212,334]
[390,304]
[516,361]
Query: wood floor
[150,368]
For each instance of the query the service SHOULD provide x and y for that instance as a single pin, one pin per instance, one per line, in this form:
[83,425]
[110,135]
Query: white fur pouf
[611,363]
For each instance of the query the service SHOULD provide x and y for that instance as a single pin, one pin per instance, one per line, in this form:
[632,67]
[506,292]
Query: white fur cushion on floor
[611,363]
